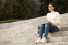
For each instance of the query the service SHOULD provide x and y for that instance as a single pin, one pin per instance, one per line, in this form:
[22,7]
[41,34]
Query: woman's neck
[52,11]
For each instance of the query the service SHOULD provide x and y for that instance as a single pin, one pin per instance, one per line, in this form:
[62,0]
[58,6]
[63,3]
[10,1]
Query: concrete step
[57,39]
[20,42]
[64,28]
[60,33]
[55,34]
[29,37]
[57,43]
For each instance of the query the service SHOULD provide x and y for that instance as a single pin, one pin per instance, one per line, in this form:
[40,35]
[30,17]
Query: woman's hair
[51,4]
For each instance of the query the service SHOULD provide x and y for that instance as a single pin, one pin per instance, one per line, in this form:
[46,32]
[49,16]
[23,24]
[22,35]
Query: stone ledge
[58,39]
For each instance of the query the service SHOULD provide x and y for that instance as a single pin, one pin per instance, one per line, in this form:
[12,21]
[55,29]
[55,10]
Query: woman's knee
[46,25]
[41,28]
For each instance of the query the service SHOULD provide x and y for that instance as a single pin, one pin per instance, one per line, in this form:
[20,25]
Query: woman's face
[50,7]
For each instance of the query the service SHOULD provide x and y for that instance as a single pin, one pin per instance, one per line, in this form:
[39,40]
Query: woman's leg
[44,40]
[46,30]
[53,28]
[40,32]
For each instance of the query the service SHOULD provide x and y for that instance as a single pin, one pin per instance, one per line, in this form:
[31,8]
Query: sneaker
[38,40]
[44,40]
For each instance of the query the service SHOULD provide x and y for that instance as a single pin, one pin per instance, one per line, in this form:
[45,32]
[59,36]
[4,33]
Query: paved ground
[25,32]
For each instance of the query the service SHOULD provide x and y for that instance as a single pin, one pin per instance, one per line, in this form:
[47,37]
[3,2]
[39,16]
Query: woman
[53,18]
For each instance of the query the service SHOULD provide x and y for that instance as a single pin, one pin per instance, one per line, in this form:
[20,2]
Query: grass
[8,21]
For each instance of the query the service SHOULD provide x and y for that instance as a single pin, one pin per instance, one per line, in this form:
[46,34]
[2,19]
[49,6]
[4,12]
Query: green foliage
[18,9]
[28,9]
[60,6]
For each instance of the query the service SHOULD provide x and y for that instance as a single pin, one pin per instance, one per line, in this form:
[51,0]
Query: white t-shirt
[53,17]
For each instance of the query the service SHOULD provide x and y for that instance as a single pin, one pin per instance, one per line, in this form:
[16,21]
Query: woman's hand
[49,22]
[54,23]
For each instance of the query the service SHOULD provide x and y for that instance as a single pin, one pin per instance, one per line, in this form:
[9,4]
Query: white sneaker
[44,40]
[38,40]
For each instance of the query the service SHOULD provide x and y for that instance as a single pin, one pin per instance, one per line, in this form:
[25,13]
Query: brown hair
[52,4]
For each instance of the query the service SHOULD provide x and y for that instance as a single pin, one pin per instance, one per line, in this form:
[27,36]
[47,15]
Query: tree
[60,5]
[19,9]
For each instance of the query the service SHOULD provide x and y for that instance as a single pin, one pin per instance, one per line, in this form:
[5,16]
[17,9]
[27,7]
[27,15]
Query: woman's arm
[57,21]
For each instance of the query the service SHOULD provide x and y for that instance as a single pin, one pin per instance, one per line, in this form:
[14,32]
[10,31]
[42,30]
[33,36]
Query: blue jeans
[45,28]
